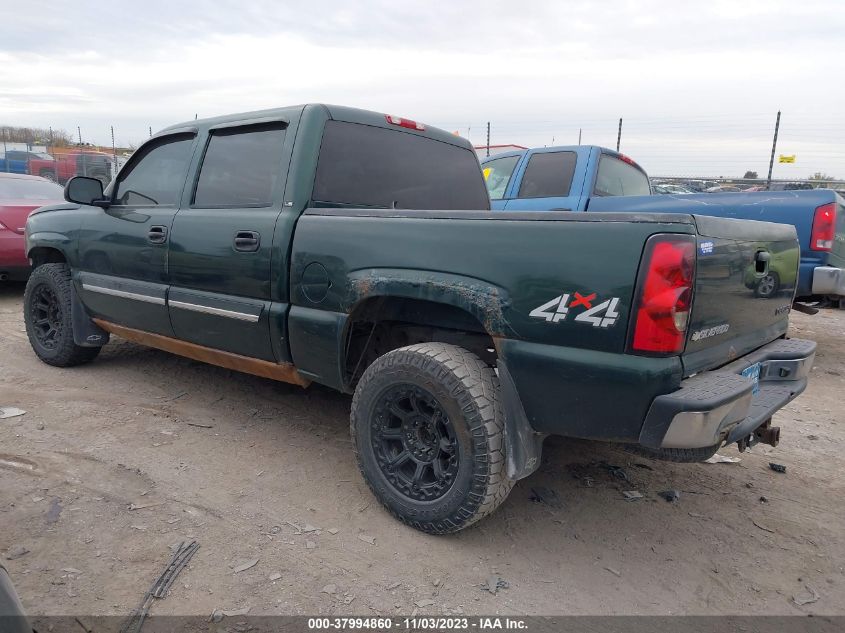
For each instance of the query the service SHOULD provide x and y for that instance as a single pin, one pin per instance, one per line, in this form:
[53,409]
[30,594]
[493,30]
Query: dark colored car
[358,250]
[19,196]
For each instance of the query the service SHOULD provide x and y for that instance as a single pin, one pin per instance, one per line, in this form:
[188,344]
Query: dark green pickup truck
[333,245]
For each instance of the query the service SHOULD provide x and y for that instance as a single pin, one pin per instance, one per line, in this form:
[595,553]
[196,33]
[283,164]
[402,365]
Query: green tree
[750,174]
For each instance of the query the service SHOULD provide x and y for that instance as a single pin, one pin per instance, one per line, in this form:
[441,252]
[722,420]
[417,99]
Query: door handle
[761,262]
[157,235]
[247,241]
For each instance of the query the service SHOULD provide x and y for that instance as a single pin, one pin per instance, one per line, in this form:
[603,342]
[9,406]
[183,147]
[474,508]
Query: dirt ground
[113,463]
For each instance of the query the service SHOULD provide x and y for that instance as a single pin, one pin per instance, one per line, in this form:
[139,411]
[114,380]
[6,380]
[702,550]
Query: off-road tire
[64,353]
[468,392]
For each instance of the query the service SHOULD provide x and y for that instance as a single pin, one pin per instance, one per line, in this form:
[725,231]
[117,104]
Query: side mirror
[84,190]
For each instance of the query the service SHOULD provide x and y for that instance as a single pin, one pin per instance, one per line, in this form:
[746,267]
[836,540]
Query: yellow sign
[486,172]
[786,159]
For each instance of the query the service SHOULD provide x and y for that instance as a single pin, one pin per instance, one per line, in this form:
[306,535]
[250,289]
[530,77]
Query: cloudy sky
[698,84]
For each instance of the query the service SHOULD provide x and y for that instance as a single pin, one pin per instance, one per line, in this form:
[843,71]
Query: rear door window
[617,178]
[497,175]
[548,175]
[364,165]
[157,173]
[241,167]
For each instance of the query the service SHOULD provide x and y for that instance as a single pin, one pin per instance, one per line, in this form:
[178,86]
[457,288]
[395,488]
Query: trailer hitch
[765,434]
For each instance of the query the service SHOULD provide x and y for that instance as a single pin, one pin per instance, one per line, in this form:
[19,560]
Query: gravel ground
[116,461]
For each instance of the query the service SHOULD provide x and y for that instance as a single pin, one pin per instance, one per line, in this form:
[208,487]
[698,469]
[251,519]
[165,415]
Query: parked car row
[59,167]
[661,186]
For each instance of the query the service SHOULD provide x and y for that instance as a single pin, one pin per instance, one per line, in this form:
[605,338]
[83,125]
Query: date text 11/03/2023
[418,623]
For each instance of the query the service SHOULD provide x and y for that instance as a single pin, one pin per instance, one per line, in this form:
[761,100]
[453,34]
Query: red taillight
[664,295]
[398,120]
[824,227]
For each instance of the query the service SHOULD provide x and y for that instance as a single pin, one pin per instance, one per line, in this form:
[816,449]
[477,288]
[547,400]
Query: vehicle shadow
[11,289]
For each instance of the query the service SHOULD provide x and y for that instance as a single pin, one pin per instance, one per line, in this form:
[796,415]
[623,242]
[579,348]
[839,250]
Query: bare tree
[35,136]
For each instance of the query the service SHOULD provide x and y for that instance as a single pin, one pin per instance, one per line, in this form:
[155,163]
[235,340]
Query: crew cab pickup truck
[357,250]
[591,178]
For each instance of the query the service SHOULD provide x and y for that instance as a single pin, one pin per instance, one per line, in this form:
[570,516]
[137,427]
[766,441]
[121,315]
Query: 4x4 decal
[604,314]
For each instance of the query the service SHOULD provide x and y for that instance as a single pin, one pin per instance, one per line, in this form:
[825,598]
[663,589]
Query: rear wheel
[48,174]
[428,433]
[47,315]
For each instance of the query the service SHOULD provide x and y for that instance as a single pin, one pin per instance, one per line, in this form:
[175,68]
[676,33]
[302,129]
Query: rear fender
[484,301]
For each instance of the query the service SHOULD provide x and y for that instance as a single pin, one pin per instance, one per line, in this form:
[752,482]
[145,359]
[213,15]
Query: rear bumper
[828,280]
[718,406]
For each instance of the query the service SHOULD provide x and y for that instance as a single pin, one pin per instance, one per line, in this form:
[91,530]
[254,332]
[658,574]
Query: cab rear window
[548,175]
[364,165]
[617,178]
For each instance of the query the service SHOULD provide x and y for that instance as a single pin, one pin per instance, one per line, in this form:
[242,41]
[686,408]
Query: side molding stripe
[124,294]
[195,307]
[284,372]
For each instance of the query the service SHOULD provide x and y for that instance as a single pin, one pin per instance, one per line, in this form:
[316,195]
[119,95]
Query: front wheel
[47,304]
[428,431]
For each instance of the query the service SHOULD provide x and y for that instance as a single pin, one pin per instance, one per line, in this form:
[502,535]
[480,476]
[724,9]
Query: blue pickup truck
[591,178]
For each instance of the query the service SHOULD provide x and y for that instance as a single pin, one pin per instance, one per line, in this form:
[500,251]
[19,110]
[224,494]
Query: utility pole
[774,147]
[488,138]
[113,154]
[579,136]
[5,160]
[618,135]
[151,131]
[79,132]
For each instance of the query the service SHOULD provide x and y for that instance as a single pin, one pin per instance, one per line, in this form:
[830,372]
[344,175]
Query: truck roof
[336,112]
[567,148]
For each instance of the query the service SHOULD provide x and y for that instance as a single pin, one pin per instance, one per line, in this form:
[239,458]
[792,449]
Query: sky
[697,84]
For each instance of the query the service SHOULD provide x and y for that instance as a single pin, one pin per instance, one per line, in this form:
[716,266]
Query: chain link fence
[678,153]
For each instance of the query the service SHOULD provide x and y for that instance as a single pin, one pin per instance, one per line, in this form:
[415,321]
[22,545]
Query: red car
[63,167]
[20,195]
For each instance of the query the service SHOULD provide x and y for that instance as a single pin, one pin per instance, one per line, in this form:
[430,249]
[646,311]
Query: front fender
[47,239]
[47,227]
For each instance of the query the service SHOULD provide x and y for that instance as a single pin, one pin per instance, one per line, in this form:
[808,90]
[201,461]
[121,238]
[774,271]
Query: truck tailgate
[746,274]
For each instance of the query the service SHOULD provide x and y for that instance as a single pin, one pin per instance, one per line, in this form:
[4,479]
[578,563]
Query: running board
[284,372]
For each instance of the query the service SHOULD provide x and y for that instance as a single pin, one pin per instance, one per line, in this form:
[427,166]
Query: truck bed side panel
[500,268]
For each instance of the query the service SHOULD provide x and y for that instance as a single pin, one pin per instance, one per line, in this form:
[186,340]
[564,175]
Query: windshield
[26,189]
[497,175]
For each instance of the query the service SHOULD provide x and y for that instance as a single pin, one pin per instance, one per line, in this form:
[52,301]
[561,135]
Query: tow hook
[765,434]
